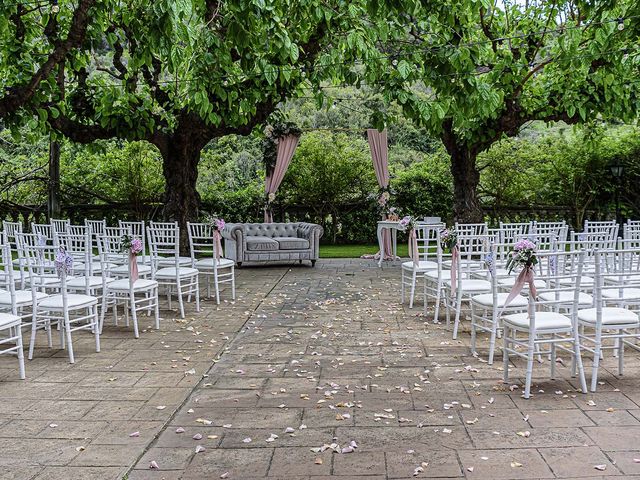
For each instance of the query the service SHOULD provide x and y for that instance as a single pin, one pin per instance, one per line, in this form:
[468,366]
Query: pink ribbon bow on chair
[413,247]
[526,275]
[217,238]
[455,258]
[134,267]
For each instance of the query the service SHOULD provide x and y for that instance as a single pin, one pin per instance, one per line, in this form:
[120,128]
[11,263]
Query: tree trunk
[180,158]
[53,201]
[466,177]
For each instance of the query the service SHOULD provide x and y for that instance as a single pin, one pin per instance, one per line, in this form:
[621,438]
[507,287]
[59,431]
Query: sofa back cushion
[271,230]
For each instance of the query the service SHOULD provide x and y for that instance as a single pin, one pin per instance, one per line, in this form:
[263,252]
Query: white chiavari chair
[71,311]
[9,232]
[611,319]
[139,295]
[164,242]
[547,234]
[486,307]
[120,262]
[427,241]
[209,262]
[512,232]
[524,334]
[472,250]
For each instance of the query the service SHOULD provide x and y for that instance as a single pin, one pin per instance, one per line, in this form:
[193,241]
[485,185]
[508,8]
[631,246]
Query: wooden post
[53,201]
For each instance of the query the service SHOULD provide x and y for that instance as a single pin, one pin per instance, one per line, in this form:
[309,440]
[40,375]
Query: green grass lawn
[355,251]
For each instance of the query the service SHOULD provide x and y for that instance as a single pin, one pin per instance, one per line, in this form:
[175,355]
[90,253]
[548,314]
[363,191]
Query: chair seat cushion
[171,261]
[292,243]
[544,321]
[141,284]
[81,282]
[465,264]
[469,285]
[423,265]
[262,244]
[511,281]
[566,297]
[124,270]
[433,275]
[610,316]
[584,281]
[74,300]
[486,300]
[621,293]
[171,272]
[22,297]
[9,320]
[207,263]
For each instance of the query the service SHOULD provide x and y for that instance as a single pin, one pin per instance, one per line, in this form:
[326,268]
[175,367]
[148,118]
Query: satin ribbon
[413,247]
[134,267]
[525,276]
[455,254]
[217,238]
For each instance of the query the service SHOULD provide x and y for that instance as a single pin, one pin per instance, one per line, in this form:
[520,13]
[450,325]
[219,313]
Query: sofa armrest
[311,232]
[233,234]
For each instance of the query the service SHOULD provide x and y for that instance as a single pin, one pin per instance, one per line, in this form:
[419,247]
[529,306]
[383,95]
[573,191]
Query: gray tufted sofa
[265,242]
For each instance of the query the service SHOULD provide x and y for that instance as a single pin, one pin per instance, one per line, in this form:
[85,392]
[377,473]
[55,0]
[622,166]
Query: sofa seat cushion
[292,243]
[262,244]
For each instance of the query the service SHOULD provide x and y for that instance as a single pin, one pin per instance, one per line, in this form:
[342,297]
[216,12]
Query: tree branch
[20,95]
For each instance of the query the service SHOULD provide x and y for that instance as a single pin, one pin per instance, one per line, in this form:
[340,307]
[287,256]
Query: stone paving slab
[303,359]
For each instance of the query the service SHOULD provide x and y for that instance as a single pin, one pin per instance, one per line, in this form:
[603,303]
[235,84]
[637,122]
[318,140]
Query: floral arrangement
[216,222]
[63,262]
[449,238]
[523,255]
[272,135]
[408,222]
[383,199]
[130,245]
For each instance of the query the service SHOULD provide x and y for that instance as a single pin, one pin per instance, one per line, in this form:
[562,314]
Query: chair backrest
[512,232]
[428,240]
[473,229]
[604,239]
[7,280]
[96,227]
[9,231]
[137,229]
[631,230]
[201,241]
[609,227]
[625,284]
[40,259]
[545,234]
[59,225]
[79,246]
[44,231]
[164,241]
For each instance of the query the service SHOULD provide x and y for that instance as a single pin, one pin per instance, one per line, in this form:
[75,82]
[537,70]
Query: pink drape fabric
[286,147]
[134,267]
[218,244]
[379,153]
[526,276]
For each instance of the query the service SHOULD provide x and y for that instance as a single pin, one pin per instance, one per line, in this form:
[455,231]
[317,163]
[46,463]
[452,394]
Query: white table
[393,226]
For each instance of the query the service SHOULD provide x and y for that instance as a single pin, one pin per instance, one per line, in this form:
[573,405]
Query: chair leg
[197,293]
[620,356]
[505,356]
[32,340]
[456,322]
[67,328]
[402,286]
[180,301]
[96,330]
[413,289]
[134,316]
[529,375]
[473,332]
[492,340]
[596,359]
[20,352]
[436,315]
[578,360]
[552,359]
[157,310]
[233,283]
